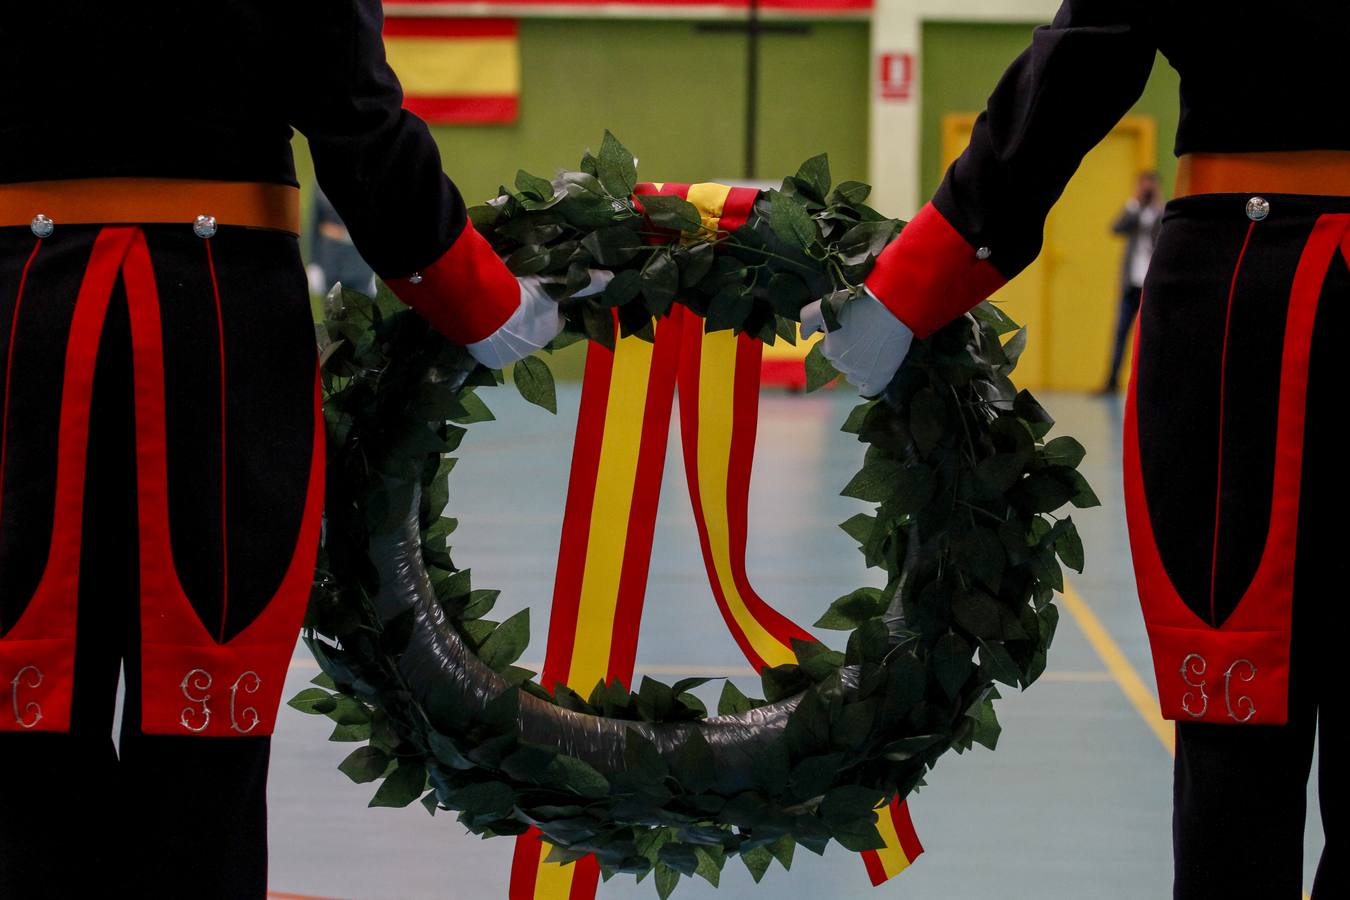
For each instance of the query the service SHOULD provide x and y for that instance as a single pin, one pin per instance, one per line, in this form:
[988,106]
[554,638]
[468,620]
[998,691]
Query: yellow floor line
[1140,697]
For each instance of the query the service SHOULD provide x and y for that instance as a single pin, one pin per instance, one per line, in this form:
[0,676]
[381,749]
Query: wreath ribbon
[610,516]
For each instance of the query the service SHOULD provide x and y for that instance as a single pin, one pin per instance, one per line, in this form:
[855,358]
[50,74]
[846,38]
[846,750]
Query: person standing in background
[333,257]
[1139,224]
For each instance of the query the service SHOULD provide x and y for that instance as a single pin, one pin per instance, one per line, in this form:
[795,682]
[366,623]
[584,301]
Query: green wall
[961,64]
[675,96]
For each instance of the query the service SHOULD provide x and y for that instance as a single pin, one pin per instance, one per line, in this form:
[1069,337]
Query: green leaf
[695,262]
[729,309]
[507,642]
[851,610]
[813,776]
[613,246]
[535,383]
[625,285]
[790,221]
[365,764]
[616,167]
[814,175]
[709,866]
[475,410]
[571,774]
[788,294]
[1084,497]
[1069,546]
[402,786]
[950,663]
[489,798]
[666,880]
[668,211]
[782,850]
[732,702]
[533,185]
[859,527]
[757,860]
[694,764]
[977,613]
[819,372]
[850,193]
[660,283]
[314,702]
[1064,451]
[875,481]
[998,662]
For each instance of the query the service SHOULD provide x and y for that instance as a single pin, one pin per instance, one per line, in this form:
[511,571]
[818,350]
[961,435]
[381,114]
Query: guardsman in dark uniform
[1235,482]
[161,440]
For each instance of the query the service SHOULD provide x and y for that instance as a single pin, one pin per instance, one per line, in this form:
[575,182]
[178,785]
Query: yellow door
[1067,298]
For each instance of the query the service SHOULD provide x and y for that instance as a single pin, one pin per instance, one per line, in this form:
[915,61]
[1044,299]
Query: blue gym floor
[1075,803]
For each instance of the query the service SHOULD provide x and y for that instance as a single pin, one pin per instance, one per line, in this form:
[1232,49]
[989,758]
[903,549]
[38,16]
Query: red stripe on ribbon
[577,515]
[904,829]
[876,870]
[744,428]
[637,551]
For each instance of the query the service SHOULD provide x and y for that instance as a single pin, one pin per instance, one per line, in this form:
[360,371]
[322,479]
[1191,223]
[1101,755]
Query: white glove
[534,323]
[868,346]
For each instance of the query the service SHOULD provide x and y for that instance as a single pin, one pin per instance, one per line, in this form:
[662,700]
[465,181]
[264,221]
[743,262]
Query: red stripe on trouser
[9,370]
[1257,632]
[224,494]
[1223,384]
[37,654]
[191,683]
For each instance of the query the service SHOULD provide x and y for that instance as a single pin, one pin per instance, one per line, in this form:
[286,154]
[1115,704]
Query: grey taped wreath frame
[957,461]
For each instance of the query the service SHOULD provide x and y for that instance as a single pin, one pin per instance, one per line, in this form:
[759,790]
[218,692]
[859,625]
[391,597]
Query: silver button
[415,278]
[1258,208]
[983,253]
[204,227]
[42,226]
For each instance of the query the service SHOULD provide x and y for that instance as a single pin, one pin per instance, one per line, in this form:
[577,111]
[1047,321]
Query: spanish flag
[456,70]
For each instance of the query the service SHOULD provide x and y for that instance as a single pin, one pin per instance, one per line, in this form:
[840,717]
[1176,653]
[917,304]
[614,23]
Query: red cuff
[467,294]
[931,275]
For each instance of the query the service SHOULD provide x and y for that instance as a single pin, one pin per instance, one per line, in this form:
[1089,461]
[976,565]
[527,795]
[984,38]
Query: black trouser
[160,815]
[1125,315]
[1210,359]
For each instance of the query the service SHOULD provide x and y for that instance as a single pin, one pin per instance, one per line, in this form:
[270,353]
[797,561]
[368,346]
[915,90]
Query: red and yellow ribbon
[617,466]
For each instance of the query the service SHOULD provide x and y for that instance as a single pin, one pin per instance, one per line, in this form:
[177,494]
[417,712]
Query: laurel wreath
[958,464]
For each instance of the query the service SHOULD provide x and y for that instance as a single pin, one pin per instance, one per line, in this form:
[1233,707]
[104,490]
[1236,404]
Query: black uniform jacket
[1255,76]
[212,90]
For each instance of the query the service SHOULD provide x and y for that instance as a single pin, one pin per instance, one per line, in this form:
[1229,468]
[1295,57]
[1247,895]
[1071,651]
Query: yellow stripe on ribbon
[624,415]
[892,856]
[716,421]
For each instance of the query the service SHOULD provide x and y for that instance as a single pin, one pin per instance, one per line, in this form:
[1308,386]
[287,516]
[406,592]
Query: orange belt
[141,201]
[1324,173]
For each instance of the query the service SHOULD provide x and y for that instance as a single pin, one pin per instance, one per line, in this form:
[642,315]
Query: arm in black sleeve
[1056,101]
[381,169]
